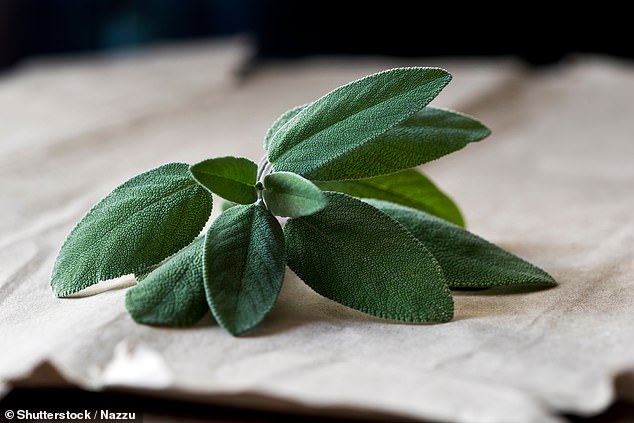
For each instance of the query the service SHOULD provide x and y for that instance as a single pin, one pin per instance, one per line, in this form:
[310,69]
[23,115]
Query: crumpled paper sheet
[553,184]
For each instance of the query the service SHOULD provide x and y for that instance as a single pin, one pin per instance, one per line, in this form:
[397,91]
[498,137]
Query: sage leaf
[244,263]
[355,254]
[467,260]
[344,120]
[426,136]
[140,223]
[281,121]
[408,187]
[232,178]
[140,276]
[288,194]
[173,294]
[225,205]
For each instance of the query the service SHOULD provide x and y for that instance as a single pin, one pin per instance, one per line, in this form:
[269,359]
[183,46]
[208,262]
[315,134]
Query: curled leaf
[288,194]
[232,178]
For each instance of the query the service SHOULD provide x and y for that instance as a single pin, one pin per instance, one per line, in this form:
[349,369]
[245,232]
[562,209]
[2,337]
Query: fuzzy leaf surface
[232,178]
[409,187]
[332,129]
[141,222]
[467,260]
[429,134]
[244,263]
[173,294]
[225,205]
[357,255]
[281,121]
[288,194]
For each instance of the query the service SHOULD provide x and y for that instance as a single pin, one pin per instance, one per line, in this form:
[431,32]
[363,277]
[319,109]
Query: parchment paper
[553,184]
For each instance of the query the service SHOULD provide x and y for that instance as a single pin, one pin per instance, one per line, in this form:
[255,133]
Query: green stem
[264,168]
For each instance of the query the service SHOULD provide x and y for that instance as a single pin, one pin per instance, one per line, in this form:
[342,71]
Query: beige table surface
[553,184]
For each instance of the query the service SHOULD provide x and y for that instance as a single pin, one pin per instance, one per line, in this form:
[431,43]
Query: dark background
[539,34]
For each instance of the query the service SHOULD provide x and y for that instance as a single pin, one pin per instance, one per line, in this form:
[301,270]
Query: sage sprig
[362,225]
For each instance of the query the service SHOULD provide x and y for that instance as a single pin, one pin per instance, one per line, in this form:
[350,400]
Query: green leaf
[341,122]
[232,178]
[173,294]
[281,121]
[288,194]
[244,263]
[358,256]
[467,260]
[426,136]
[226,205]
[409,187]
[140,276]
[143,221]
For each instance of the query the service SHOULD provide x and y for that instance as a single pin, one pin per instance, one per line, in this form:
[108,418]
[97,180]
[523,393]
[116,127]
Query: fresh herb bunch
[365,228]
